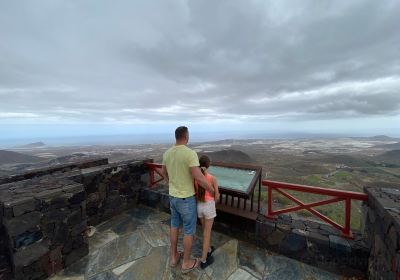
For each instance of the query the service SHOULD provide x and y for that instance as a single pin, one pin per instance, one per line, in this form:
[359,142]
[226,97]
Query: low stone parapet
[110,188]
[53,169]
[43,219]
[43,223]
[382,231]
[313,242]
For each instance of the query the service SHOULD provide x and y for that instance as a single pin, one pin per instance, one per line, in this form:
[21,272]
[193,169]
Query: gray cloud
[198,60]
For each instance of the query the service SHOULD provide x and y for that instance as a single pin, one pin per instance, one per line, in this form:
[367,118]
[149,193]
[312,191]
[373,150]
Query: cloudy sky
[88,67]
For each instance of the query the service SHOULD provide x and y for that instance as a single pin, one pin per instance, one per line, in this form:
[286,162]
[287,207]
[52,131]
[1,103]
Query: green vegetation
[314,180]
[343,175]
[319,181]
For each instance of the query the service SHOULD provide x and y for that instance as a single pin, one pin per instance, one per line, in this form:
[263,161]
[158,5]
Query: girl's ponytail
[204,164]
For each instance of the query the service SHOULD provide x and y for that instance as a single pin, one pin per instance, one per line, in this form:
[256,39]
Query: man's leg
[187,249]
[189,219]
[173,237]
[176,222]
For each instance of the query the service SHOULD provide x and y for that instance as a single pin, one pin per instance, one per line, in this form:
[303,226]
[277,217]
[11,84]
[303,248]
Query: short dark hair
[181,132]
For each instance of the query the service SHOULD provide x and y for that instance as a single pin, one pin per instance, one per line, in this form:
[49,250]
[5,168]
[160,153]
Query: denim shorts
[184,213]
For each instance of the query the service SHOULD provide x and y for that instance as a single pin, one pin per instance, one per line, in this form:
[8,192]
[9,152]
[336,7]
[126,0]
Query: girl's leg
[202,219]
[207,226]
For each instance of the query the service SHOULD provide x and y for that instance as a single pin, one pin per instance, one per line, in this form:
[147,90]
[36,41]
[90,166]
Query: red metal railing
[337,195]
[154,168]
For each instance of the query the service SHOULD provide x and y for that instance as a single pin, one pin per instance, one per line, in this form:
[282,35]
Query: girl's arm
[216,190]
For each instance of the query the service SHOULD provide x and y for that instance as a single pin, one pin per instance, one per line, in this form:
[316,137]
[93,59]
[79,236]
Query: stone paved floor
[135,245]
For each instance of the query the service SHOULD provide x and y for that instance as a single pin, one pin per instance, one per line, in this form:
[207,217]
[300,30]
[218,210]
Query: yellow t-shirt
[178,161]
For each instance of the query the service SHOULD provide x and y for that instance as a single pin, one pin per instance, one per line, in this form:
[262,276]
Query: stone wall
[59,168]
[313,242]
[5,266]
[111,188]
[382,231]
[43,219]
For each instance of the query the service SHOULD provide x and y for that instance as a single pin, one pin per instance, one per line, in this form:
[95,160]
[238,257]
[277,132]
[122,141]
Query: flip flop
[180,255]
[195,265]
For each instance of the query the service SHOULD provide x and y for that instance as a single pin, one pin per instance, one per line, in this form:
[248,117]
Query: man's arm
[164,172]
[199,177]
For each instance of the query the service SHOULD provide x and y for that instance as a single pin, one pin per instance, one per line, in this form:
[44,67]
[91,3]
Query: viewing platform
[135,245]
[45,216]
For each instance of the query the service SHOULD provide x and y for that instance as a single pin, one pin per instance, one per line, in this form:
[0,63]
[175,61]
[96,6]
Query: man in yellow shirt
[180,167]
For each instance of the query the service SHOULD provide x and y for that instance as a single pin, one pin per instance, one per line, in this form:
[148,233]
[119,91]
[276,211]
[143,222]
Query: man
[180,167]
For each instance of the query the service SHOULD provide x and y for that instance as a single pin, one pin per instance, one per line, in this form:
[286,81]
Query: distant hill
[382,138]
[33,145]
[8,157]
[377,138]
[389,157]
[229,156]
[74,157]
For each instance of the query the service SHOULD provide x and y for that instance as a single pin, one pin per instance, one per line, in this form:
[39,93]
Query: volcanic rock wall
[44,215]
[382,231]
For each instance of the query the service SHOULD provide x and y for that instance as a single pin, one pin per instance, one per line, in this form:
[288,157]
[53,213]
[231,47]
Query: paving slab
[282,268]
[107,275]
[241,274]
[156,234]
[148,215]
[76,271]
[314,273]
[121,224]
[118,252]
[252,258]
[149,268]
[60,277]
[99,239]
[226,261]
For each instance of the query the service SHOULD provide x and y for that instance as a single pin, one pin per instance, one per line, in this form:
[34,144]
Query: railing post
[269,212]
[152,176]
[252,201]
[259,194]
[346,232]
[150,170]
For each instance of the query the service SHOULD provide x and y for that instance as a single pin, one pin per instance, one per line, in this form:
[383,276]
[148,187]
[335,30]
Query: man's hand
[199,177]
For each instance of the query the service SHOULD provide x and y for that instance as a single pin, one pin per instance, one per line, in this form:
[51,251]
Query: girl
[206,210]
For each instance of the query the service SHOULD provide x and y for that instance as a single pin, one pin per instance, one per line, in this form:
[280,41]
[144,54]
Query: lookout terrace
[95,220]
